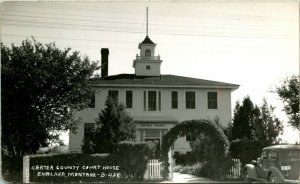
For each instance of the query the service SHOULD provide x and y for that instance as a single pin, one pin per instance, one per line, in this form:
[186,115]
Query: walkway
[188,178]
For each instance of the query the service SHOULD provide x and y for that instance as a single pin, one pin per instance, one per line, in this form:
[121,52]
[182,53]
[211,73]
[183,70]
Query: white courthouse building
[156,102]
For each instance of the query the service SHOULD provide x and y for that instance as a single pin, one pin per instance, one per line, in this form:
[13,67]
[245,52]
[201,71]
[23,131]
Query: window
[212,100]
[190,100]
[128,99]
[145,101]
[91,102]
[264,155]
[174,99]
[273,155]
[159,101]
[294,154]
[114,94]
[89,128]
[152,100]
[147,52]
[141,135]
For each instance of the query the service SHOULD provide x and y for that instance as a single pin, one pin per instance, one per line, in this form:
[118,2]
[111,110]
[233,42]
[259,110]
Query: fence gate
[235,171]
[153,171]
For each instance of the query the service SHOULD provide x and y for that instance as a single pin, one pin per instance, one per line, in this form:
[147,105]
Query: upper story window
[212,100]
[174,99]
[91,102]
[89,128]
[152,100]
[128,99]
[147,52]
[190,100]
[114,94]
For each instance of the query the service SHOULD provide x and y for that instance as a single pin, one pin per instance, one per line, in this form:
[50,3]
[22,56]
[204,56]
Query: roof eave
[233,87]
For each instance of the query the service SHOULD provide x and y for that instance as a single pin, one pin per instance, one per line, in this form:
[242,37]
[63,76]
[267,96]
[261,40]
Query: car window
[264,155]
[294,154]
[273,155]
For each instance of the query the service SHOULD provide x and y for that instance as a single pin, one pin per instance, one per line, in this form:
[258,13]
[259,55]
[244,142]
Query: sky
[251,43]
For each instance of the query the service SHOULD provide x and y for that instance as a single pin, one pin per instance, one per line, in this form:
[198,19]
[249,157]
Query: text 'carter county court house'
[156,102]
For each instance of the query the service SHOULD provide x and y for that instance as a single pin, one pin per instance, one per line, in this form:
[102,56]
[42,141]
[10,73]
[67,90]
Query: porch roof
[154,119]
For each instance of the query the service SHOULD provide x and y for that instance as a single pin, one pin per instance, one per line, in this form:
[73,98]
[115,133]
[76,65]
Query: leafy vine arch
[195,128]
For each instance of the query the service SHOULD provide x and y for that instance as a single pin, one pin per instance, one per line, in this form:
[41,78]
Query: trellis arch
[195,128]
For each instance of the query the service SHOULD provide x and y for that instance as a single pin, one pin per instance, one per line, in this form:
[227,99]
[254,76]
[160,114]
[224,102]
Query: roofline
[167,86]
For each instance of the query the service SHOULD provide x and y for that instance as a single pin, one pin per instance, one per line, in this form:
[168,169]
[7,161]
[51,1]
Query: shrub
[246,150]
[189,169]
[131,159]
[184,159]
[12,167]
[205,169]
[215,171]
[77,159]
[218,152]
[53,149]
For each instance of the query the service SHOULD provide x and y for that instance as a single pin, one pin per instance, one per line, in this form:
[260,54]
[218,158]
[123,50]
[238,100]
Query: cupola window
[147,52]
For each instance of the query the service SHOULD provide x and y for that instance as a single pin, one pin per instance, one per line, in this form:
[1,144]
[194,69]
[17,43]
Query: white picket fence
[153,171]
[235,171]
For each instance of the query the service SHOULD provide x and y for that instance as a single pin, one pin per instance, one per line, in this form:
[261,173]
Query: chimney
[104,62]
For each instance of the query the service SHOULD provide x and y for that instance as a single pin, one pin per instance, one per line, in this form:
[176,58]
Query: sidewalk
[188,178]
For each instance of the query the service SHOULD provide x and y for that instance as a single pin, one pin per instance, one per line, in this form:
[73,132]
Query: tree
[267,127]
[288,92]
[42,87]
[255,123]
[114,125]
[243,119]
[263,130]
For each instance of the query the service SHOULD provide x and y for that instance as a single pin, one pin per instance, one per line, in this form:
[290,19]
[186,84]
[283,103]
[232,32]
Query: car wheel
[272,178]
[246,177]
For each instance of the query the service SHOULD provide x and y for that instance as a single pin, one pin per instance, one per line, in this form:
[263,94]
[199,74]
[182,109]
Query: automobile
[277,164]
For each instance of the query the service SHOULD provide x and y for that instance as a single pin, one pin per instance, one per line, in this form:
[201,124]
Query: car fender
[251,171]
[277,172]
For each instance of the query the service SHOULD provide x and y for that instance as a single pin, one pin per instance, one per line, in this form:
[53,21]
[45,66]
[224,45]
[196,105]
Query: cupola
[147,63]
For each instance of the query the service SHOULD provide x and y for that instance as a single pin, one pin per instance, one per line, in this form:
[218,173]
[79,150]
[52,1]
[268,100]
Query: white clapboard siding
[153,171]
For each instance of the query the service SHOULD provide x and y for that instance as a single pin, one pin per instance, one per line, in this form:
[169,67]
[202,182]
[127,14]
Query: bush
[58,149]
[246,150]
[195,128]
[205,169]
[184,159]
[189,169]
[73,160]
[12,167]
[131,159]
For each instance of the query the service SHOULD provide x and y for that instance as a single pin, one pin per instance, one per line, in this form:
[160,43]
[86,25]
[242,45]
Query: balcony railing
[147,57]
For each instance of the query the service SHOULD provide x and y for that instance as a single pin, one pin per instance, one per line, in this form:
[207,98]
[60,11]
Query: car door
[273,159]
[263,164]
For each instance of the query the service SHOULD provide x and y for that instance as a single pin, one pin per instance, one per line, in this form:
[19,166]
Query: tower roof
[147,41]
